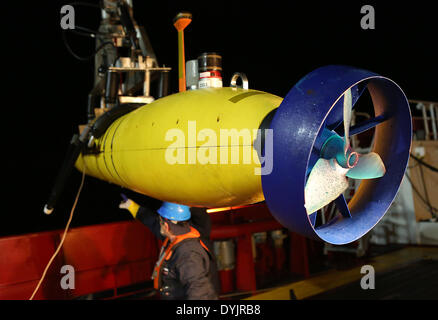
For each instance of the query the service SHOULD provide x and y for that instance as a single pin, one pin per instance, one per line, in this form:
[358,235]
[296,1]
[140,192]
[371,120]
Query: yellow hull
[175,149]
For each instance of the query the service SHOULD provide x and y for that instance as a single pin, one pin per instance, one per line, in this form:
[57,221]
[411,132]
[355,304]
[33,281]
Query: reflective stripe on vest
[167,250]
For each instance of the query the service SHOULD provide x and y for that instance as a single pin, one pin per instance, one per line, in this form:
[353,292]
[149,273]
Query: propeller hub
[352,159]
[333,147]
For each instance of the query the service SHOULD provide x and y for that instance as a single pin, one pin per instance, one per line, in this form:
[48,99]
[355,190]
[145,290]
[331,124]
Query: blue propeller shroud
[301,125]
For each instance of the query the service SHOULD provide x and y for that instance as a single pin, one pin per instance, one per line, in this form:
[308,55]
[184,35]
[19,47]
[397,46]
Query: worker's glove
[131,206]
[125,204]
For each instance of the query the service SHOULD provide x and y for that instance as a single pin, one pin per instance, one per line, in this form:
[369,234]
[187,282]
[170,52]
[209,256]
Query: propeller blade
[369,166]
[335,118]
[325,183]
[347,119]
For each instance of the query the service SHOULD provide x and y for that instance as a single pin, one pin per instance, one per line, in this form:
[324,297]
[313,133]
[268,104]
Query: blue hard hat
[174,211]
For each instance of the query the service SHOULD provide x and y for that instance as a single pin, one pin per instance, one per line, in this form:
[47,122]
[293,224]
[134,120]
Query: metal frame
[433,112]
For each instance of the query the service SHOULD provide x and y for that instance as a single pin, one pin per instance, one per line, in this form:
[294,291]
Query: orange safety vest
[167,250]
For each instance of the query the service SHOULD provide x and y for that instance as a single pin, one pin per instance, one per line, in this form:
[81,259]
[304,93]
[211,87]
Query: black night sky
[45,89]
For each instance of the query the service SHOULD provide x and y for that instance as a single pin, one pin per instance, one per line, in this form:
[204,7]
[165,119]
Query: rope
[63,236]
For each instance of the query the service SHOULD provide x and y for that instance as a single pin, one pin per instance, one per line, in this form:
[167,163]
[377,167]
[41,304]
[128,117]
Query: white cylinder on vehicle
[192,74]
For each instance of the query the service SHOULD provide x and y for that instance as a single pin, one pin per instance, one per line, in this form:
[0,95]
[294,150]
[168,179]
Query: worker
[186,268]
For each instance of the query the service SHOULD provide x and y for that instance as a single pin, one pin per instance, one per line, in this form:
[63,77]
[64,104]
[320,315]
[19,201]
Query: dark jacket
[191,271]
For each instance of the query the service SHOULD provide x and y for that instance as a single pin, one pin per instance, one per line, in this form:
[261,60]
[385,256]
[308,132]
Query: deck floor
[408,273]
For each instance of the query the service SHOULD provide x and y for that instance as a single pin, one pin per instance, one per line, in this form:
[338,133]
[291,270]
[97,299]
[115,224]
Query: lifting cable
[86,32]
[424,163]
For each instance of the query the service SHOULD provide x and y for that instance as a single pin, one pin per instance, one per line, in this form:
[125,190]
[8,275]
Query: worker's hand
[125,204]
[129,205]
